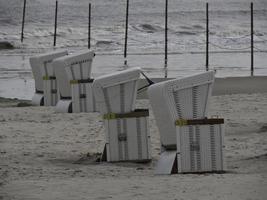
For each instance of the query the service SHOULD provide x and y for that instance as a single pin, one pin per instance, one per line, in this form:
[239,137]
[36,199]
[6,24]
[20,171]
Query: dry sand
[46,155]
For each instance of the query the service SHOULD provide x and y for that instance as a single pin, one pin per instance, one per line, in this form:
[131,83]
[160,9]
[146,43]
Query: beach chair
[73,74]
[39,65]
[126,128]
[190,142]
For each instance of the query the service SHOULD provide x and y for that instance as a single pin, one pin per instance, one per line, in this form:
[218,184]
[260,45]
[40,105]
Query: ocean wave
[8,22]
[194,27]
[148,28]
[180,33]
[6,45]
[104,43]
[47,32]
[199,27]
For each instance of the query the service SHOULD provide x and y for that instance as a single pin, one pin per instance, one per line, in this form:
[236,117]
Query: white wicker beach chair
[190,142]
[40,67]
[73,73]
[127,132]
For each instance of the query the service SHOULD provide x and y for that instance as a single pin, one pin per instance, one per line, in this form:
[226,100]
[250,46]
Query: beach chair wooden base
[50,91]
[127,137]
[64,106]
[82,96]
[199,148]
[38,99]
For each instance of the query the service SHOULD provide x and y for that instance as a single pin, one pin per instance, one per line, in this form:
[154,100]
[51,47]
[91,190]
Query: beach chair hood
[117,92]
[185,98]
[37,65]
[77,59]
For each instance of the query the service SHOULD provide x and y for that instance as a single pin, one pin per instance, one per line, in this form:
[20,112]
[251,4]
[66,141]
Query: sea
[229,37]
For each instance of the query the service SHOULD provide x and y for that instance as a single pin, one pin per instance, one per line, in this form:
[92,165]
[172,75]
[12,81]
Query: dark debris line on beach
[14,102]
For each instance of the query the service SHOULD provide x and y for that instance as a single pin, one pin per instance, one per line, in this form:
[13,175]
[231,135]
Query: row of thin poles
[55,24]
[166,33]
[89,26]
[166,38]
[252,41]
[55,29]
[251,33]
[126,33]
[23,21]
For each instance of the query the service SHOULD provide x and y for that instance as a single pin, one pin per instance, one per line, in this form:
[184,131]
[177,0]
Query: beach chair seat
[73,73]
[175,102]
[39,64]
[126,128]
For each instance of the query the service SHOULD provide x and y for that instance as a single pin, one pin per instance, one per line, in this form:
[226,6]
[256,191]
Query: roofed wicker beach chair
[41,69]
[73,73]
[190,141]
[126,128]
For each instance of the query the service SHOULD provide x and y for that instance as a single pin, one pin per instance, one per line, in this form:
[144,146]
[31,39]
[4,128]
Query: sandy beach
[47,155]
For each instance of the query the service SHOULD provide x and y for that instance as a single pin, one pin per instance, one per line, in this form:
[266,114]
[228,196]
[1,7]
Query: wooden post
[166,38]
[23,21]
[252,41]
[89,26]
[207,36]
[55,30]
[126,33]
